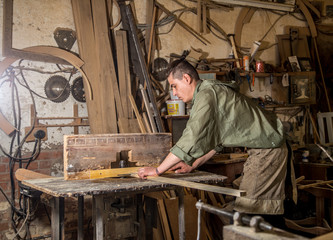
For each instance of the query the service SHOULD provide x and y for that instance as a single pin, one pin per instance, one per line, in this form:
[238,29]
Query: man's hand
[147,171]
[182,167]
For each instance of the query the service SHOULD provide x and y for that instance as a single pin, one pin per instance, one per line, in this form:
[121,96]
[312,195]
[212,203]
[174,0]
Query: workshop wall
[34,23]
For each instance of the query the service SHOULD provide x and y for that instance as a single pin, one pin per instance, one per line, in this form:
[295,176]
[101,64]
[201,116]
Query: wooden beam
[108,85]
[199,186]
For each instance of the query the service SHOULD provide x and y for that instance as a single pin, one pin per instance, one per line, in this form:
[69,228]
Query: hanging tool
[249,81]
[57,88]
[233,45]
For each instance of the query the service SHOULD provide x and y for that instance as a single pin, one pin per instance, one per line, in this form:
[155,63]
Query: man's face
[182,88]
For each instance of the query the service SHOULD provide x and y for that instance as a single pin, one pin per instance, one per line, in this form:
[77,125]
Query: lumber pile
[165,225]
[115,95]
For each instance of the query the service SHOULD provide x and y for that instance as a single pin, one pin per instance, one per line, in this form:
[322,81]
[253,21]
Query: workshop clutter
[166,224]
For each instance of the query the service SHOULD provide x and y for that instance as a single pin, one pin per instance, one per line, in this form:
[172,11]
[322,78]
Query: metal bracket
[64,37]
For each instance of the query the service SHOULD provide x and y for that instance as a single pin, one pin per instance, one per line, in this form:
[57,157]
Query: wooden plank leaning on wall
[102,117]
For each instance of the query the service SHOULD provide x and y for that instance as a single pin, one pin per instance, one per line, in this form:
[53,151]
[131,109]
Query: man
[222,117]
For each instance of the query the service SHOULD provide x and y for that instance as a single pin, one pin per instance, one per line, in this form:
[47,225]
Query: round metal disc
[160,68]
[57,88]
[78,90]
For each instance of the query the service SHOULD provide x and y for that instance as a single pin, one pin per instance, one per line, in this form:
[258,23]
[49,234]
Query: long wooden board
[99,151]
[199,186]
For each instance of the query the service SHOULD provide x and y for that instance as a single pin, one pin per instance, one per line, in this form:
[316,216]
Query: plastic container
[175,107]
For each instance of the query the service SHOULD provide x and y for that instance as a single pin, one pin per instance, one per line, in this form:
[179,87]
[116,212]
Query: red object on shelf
[260,66]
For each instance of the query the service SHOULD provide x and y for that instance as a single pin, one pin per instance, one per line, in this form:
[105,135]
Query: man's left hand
[182,167]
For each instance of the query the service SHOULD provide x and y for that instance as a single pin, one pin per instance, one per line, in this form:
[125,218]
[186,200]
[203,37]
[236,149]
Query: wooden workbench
[60,189]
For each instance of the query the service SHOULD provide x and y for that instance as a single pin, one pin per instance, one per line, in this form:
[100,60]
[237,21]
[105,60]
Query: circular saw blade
[77,90]
[57,88]
[160,68]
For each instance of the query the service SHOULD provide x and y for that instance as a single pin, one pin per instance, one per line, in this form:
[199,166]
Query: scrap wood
[298,180]
[314,184]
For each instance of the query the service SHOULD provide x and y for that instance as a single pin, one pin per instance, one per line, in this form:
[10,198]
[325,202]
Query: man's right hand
[182,167]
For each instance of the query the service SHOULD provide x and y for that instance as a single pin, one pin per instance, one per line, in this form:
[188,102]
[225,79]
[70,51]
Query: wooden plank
[164,219]
[199,186]
[111,102]
[98,151]
[199,22]
[191,216]
[147,105]
[137,114]
[123,71]
[151,38]
[86,43]
[149,16]
[26,174]
[147,124]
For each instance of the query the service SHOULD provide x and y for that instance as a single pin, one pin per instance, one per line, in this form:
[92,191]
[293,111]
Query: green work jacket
[223,117]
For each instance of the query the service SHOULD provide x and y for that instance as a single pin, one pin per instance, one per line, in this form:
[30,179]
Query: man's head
[183,79]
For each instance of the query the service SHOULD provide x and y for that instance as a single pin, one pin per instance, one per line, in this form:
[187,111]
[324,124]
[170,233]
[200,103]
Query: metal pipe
[246,220]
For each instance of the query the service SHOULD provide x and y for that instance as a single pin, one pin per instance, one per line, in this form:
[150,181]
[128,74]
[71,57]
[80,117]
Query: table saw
[59,189]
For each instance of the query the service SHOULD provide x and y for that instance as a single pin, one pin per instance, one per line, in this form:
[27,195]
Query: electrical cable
[23,224]
[8,200]
[276,20]
[16,156]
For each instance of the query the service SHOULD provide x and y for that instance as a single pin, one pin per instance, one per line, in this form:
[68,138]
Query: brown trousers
[263,180]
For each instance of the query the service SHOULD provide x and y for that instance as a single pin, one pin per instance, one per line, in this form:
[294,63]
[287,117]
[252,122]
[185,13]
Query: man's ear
[188,79]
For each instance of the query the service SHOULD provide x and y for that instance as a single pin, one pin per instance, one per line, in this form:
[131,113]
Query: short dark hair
[179,67]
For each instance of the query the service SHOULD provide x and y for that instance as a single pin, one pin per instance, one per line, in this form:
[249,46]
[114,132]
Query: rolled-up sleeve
[198,137]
